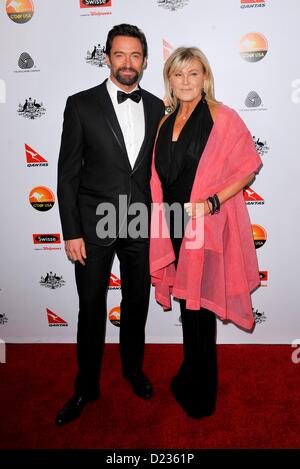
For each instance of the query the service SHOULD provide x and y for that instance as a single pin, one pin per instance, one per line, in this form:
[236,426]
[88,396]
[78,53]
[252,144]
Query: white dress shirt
[131,119]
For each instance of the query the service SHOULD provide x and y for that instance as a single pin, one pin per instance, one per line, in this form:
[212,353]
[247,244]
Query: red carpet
[258,404]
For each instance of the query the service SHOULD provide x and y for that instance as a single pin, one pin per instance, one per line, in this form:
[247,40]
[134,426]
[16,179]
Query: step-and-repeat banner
[52,49]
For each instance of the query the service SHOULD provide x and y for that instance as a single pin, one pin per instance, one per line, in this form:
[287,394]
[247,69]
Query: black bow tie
[135,96]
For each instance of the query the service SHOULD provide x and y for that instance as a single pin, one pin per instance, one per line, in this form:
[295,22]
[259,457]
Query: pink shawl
[221,273]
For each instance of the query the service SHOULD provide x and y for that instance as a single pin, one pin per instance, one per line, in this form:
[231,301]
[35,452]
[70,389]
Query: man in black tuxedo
[106,148]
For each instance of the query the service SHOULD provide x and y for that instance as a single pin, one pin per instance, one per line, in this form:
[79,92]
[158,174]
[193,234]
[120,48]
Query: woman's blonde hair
[180,58]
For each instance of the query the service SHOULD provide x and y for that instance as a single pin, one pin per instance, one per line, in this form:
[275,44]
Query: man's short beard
[129,81]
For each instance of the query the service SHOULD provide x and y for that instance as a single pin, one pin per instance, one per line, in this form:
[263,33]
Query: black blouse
[176,162]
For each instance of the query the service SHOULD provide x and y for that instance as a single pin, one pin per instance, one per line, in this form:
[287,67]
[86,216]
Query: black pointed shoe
[72,409]
[140,384]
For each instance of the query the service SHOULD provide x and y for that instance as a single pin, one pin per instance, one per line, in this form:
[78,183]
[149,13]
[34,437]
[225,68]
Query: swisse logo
[253,3]
[34,158]
[251,197]
[114,282]
[114,316]
[264,276]
[96,57]
[41,198]
[95,3]
[46,238]
[20,11]
[172,5]
[54,320]
[259,236]
[253,47]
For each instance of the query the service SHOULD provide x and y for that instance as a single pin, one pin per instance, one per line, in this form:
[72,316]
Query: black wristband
[211,200]
[215,204]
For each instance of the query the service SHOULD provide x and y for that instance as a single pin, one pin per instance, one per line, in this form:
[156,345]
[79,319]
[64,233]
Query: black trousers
[196,380]
[92,284]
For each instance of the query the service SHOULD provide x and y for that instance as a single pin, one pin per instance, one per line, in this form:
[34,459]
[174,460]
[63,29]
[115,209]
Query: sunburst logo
[41,198]
[259,236]
[253,47]
[115,315]
[20,11]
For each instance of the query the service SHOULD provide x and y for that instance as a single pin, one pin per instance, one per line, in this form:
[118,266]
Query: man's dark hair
[126,30]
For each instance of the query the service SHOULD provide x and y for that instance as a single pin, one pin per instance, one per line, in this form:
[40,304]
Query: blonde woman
[204,156]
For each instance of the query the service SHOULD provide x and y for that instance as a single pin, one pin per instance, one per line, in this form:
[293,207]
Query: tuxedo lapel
[109,114]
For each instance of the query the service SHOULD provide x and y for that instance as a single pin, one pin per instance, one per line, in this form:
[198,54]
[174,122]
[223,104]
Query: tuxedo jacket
[93,165]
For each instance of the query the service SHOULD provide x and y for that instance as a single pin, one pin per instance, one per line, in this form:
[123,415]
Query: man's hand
[75,250]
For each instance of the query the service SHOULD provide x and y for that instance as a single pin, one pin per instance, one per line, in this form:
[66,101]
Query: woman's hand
[197,209]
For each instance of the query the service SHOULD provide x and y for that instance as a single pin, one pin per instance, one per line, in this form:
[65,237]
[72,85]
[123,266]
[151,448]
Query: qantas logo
[114,282]
[251,197]
[34,158]
[54,320]
[253,3]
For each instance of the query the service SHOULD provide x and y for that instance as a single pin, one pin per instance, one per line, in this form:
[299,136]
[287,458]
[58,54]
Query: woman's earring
[203,94]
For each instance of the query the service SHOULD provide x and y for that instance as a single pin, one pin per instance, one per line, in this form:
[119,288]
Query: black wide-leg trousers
[92,284]
[196,381]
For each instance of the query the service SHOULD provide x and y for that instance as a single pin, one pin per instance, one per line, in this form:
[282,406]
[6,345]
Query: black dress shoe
[141,385]
[72,409]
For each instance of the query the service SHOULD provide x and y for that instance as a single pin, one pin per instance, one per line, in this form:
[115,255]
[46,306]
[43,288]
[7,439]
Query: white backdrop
[56,44]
